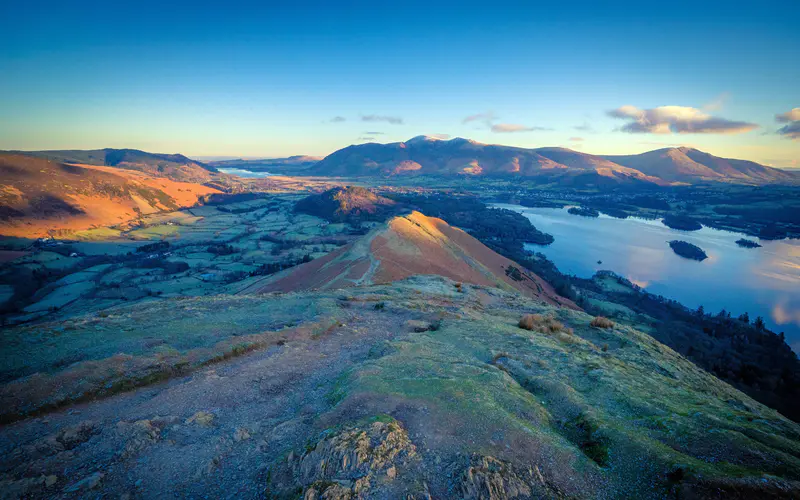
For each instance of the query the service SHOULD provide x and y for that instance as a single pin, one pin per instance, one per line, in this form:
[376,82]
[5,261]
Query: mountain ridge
[425,155]
[409,245]
[172,166]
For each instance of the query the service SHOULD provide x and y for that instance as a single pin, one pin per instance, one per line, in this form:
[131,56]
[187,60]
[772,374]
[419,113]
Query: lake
[244,173]
[760,281]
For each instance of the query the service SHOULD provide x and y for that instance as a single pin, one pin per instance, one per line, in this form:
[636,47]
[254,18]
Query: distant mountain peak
[423,138]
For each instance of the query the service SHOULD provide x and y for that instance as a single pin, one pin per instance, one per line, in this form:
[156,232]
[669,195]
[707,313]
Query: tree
[744,318]
[759,323]
[701,311]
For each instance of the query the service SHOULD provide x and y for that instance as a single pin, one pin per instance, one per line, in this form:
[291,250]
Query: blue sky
[230,78]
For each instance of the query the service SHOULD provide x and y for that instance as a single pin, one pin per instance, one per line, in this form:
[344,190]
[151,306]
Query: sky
[267,80]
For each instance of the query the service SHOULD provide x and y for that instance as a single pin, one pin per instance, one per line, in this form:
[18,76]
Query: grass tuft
[602,322]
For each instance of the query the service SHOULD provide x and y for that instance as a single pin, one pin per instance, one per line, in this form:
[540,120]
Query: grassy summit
[425,385]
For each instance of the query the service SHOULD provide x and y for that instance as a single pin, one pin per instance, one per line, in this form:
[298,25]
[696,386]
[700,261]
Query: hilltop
[411,245]
[691,165]
[430,156]
[38,196]
[347,204]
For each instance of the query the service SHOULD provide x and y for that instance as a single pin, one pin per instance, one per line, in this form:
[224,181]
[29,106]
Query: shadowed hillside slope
[39,196]
[410,245]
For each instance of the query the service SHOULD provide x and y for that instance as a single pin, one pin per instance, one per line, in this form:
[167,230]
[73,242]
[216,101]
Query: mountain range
[425,155]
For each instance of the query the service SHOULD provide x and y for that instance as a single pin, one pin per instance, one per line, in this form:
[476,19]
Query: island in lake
[681,222]
[584,212]
[687,250]
[745,243]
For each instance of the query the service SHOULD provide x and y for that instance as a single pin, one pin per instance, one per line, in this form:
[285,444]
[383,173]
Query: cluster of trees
[500,227]
[275,267]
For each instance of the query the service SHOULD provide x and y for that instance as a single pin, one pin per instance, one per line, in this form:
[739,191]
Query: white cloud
[792,115]
[338,119]
[677,120]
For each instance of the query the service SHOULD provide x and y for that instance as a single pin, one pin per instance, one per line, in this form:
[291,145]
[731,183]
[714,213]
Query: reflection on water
[760,281]
[244,173]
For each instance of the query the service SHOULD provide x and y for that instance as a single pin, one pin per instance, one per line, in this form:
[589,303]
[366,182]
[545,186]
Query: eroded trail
[208,434]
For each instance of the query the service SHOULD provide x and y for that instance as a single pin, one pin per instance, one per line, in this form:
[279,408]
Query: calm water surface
[244,173]
[760,281]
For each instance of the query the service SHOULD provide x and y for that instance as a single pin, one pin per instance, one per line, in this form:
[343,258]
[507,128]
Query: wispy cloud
[584,128]
[394,120]
[443,137]
[576,139]
[792,120]
[677,120]
[486,117]
[338,119]
[718,103]
[373,133]
[506,128]
[366,138]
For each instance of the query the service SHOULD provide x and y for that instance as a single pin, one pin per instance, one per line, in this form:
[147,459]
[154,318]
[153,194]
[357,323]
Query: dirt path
[205,435]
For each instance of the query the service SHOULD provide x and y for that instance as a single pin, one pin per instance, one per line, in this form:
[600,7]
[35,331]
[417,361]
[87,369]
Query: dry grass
[540,323]
[602,322]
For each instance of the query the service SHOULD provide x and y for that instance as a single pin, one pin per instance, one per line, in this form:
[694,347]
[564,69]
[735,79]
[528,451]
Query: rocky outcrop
[356,462]
[488,478]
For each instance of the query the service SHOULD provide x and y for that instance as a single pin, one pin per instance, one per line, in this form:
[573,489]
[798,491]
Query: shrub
[538,322]
[602,322]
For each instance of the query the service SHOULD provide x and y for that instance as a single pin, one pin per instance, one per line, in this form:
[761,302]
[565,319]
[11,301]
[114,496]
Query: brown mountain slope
[430,156]
[172,166]
[411,245]
[691,165]
[39,197]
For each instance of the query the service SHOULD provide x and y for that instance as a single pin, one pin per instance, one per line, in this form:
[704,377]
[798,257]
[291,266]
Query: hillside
[430,156]
[411,245]
[408,390]
[691,165]
[38,196]
[347,204]
[172,166]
